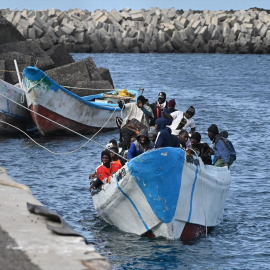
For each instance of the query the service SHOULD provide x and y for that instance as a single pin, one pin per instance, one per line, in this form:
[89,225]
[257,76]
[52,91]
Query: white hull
[160,192]
[80,114]
[10,111]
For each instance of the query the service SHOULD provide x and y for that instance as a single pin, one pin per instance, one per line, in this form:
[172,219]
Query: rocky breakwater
[144,31]
[56,62]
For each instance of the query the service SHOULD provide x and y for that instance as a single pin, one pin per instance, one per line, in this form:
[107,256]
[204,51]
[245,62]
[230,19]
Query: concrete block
[236,28]
[79,37]
[130,42]
[24,14]
[39,31]
[268,35]
[16,18]
[125,15]
[187,13]
[52,12]
[31,14]
[138,25]
[116,15]
[203,31]
[137,17]
[177,40]
[24,23]
[161,38]
[31,33]
[195,24]
[10,16]
[243,29]
[221,15]
[140,37]
[67,29]
[57,31]
[214,20]
[207,19]
[178,25]
[190,34]
[263,30]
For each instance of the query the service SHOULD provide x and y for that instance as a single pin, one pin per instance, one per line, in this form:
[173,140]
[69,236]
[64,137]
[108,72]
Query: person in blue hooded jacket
[164,138]
[141,145]
[223,149]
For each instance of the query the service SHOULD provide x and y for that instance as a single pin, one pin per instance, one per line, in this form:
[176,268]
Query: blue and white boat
[69,112]
[165,193]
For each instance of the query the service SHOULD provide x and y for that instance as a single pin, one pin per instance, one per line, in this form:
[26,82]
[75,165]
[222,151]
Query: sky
[92,5]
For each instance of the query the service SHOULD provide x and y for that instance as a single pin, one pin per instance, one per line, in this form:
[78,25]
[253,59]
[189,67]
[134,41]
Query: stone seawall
[146,31]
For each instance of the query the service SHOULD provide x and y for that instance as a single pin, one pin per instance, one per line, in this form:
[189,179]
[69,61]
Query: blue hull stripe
[135,207]
[192,192]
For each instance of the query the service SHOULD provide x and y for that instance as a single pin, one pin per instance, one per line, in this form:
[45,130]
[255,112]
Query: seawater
[232,91]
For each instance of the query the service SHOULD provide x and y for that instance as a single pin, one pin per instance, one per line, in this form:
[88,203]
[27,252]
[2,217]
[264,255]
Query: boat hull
[12,114]
[48,100]
[162,193]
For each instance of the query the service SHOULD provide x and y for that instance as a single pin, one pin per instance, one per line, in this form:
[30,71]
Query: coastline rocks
[56,61]
[144,31]
[89,76]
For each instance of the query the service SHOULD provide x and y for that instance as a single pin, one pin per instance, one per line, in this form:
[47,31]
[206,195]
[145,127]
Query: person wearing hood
[203,150]
[223,149]
[141,145]
[164,134]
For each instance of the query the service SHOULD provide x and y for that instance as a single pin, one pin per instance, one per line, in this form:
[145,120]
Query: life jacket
[104,173]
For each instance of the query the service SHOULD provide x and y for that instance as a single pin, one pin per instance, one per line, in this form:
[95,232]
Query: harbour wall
[147,31]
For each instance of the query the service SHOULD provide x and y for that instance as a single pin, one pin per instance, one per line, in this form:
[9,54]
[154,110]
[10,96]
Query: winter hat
[213,129]
[162,95]
[191,110]
[171,103]
[106,153]
[196,136]
[142,99]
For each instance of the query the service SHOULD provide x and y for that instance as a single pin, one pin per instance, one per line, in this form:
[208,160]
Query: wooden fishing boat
[164,193]
[11,113]
[50,101]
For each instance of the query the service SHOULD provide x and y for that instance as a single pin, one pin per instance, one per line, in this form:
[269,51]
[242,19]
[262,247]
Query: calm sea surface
[232,91]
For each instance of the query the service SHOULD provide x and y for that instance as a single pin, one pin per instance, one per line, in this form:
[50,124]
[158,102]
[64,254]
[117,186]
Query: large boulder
[8,32]
[82,78]
[60,55]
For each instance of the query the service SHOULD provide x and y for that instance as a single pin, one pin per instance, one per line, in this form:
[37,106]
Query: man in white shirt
[181,120]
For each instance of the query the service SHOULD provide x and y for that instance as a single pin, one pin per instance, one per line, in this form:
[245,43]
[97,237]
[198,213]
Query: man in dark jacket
[224,151]
[141,145]
[203,150]
[156,107]
[164,134]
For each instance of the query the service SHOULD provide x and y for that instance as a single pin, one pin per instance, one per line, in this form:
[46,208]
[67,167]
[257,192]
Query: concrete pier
[26,243]
[143,31]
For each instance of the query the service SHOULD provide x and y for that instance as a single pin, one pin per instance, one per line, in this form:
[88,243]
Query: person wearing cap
[141,145]
[203,150]
[156,107]
[223,149]
[170,109]
[181,120]
[140,111]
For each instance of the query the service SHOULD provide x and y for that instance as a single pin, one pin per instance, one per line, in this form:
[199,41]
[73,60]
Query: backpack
[224,136]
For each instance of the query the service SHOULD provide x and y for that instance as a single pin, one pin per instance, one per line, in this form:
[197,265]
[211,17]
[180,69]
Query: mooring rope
[67,153]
